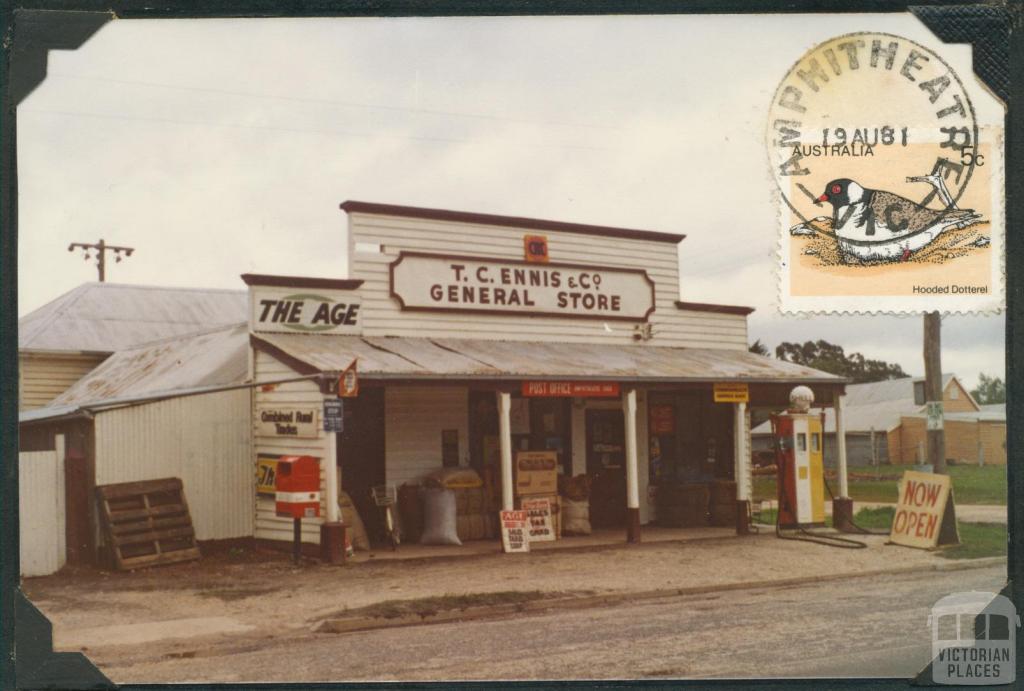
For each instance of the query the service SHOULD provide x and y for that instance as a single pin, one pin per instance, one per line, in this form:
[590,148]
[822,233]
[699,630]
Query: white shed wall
[415,416]
[41,511]
[382,316]
[203,439]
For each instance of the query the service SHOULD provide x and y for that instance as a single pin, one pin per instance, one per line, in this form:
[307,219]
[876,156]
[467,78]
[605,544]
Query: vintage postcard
[486,348]
[888,156]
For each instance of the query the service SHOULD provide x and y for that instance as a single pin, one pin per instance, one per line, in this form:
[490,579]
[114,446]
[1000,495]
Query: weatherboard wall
[44,376]
[382,315]
[202,439]
[296,394]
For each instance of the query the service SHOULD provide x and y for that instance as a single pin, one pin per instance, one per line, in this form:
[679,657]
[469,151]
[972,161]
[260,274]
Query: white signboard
[514,536]
[305,310]
[481,285]
[287,422]
[541,525]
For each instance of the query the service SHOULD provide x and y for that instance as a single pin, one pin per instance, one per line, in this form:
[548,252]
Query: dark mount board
[65,25]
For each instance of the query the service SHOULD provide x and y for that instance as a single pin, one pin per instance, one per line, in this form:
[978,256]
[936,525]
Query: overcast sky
[216,147]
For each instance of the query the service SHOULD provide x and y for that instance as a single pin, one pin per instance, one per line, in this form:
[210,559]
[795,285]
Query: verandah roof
[433,358]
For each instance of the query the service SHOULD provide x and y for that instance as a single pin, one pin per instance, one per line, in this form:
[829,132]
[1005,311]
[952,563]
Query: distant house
[65,339]
[885,423]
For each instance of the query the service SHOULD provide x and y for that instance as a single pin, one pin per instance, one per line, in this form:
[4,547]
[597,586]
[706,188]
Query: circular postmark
[875,134]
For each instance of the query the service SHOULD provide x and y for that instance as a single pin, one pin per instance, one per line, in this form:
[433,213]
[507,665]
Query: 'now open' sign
[921,518]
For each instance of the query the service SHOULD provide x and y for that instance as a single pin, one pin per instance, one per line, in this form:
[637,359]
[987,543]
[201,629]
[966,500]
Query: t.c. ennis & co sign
[483,285]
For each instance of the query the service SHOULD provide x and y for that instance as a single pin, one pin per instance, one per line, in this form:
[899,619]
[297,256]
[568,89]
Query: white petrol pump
[797,436]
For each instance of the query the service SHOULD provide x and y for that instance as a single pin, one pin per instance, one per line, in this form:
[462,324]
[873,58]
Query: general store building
[477,336]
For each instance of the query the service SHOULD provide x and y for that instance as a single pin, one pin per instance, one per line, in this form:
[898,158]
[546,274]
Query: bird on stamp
[879,226]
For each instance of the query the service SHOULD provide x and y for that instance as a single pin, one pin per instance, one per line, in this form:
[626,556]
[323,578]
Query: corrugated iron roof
[875,405]
[106,317]
[203,359]
[395,357]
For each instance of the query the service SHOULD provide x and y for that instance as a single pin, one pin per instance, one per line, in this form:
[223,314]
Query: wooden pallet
[147,523]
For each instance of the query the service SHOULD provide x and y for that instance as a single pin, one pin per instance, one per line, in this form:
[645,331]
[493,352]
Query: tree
[758,348]
[989,390]
[829,357]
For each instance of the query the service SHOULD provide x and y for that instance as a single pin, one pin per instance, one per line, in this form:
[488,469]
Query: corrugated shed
[411,358]
[210,358]
[106,317]
[204,440]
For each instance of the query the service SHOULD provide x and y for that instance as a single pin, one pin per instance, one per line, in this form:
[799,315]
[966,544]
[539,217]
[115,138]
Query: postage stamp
[890,181]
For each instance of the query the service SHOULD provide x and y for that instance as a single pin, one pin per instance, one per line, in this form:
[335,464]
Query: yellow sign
[266,473]
[732,393]
[925,516]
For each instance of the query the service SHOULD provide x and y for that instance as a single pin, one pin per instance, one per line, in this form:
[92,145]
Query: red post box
[297,487]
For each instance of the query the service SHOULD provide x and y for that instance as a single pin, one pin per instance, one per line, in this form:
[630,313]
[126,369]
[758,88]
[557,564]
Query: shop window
[815,442]
[801,442]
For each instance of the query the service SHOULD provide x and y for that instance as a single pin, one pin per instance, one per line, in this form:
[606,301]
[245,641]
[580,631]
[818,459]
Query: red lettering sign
[570,388]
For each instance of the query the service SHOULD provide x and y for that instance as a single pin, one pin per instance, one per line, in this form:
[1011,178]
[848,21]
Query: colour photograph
[489,347]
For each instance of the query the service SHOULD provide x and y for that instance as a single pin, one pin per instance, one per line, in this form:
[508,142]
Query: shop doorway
[606,464]
[361,449]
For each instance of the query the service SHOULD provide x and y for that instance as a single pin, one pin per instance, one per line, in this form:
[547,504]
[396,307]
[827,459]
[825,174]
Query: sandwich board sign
[925,514]
[541,523]
[514,533]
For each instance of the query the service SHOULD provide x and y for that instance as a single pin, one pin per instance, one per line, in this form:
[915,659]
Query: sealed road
[864,627]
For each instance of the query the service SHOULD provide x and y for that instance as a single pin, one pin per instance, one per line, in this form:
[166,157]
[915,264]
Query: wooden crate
[147,523]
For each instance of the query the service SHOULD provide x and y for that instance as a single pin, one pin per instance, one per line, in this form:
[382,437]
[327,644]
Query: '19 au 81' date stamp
[891,189]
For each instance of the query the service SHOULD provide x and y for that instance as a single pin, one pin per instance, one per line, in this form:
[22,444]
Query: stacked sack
[470,500]
[575,502]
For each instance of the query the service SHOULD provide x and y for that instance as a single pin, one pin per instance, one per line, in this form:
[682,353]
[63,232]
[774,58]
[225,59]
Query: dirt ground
[242,596]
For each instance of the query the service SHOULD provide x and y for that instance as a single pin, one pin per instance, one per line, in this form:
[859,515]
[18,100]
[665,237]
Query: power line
[332,102]
[294,130]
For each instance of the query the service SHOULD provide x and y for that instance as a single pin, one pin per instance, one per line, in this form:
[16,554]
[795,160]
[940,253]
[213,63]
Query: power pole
[101,248]
[933,392]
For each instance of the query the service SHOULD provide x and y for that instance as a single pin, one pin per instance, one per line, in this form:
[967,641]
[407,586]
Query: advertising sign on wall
[305,310]
[287,422]
[266,474]
[479,284]
[727,392]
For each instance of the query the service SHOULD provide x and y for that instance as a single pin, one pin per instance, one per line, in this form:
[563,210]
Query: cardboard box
[536,473]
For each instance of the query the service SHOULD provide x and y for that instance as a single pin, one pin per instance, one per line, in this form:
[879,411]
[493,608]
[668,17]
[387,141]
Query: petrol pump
[797,435]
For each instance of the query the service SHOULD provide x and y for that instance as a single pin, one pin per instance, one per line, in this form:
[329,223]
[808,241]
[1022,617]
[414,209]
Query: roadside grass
[977,540]
[428,606]
[971,484]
